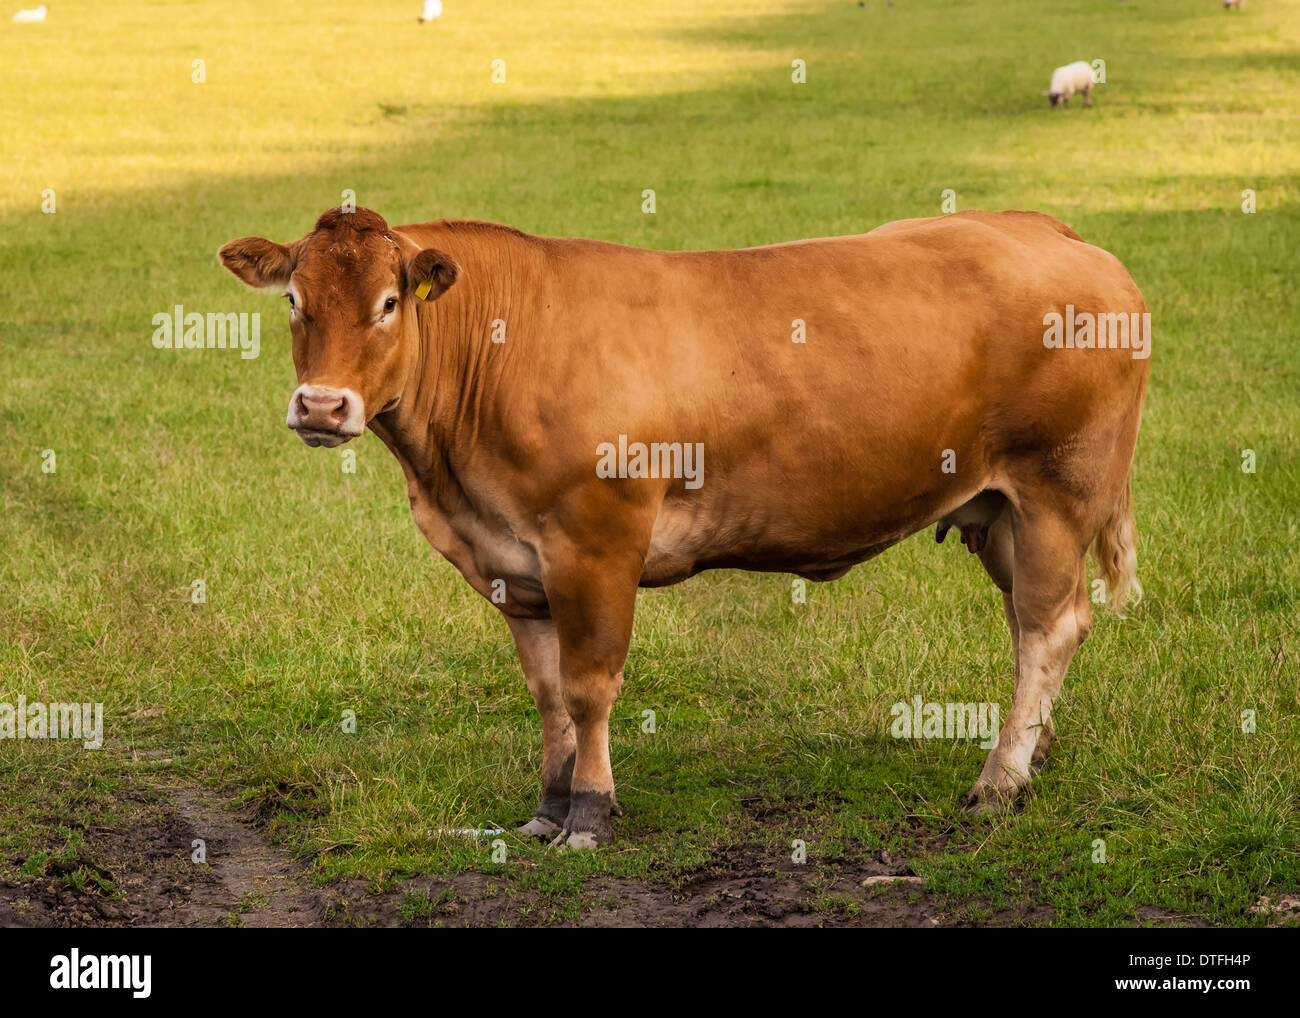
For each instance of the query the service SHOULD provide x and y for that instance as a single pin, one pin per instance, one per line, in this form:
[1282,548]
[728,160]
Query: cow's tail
[1115,548]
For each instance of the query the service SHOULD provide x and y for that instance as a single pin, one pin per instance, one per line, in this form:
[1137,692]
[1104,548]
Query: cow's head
[352,294]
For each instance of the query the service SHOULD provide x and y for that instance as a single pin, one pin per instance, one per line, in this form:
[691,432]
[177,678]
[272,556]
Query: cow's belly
[691,537]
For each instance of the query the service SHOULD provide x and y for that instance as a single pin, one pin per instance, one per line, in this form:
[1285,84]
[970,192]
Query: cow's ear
[430,273]
[258,261]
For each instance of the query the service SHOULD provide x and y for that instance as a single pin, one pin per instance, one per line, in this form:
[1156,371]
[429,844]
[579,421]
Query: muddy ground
[248,881]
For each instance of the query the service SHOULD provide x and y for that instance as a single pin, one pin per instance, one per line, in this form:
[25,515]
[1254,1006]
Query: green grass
[772,717]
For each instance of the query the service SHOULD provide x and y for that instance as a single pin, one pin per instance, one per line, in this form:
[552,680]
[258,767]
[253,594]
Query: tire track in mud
[259,883]
[155,882]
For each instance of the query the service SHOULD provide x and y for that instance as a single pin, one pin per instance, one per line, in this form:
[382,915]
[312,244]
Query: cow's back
[826,380]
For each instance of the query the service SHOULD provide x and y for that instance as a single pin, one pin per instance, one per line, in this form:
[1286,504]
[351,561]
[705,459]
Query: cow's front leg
[592,597]
[539,654]
[590,694]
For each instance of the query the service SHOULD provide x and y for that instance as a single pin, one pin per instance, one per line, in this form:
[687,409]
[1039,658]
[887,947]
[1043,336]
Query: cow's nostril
[322,409]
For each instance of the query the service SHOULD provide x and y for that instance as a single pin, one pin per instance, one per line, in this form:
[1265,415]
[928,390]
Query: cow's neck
[456,385]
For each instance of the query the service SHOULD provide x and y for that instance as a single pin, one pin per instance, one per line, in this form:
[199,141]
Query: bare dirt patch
[142,874]
[739,887]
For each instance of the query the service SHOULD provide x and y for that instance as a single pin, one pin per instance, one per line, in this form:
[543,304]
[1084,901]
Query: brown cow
[551,400]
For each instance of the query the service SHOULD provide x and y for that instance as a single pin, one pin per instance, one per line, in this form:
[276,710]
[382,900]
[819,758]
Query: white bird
[33,13]
[430,11]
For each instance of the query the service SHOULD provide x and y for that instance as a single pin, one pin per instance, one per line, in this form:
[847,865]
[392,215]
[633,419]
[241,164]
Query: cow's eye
[390,305]
[289,297]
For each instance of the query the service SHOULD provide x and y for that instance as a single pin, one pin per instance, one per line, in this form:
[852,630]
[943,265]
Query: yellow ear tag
[422,291]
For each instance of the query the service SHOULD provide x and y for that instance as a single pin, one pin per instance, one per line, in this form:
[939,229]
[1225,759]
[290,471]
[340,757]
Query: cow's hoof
[988,801]
[977,807]
[587,825]
[539,827]
[577,841]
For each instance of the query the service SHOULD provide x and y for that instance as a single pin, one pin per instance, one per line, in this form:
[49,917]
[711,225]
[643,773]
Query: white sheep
[1069,80]
[32,14]
[431,11]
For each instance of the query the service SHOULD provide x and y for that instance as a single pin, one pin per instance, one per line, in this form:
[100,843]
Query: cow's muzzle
[325,416]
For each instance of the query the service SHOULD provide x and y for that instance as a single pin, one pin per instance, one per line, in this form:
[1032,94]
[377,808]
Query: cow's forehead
[347,261]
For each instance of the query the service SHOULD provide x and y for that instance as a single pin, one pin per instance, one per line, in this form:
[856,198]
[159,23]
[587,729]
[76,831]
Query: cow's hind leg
[1047,579]
[539,654]
[1083,619]
[998,558]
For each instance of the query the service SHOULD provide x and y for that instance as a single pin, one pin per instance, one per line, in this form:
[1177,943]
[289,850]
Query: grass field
[772,718]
